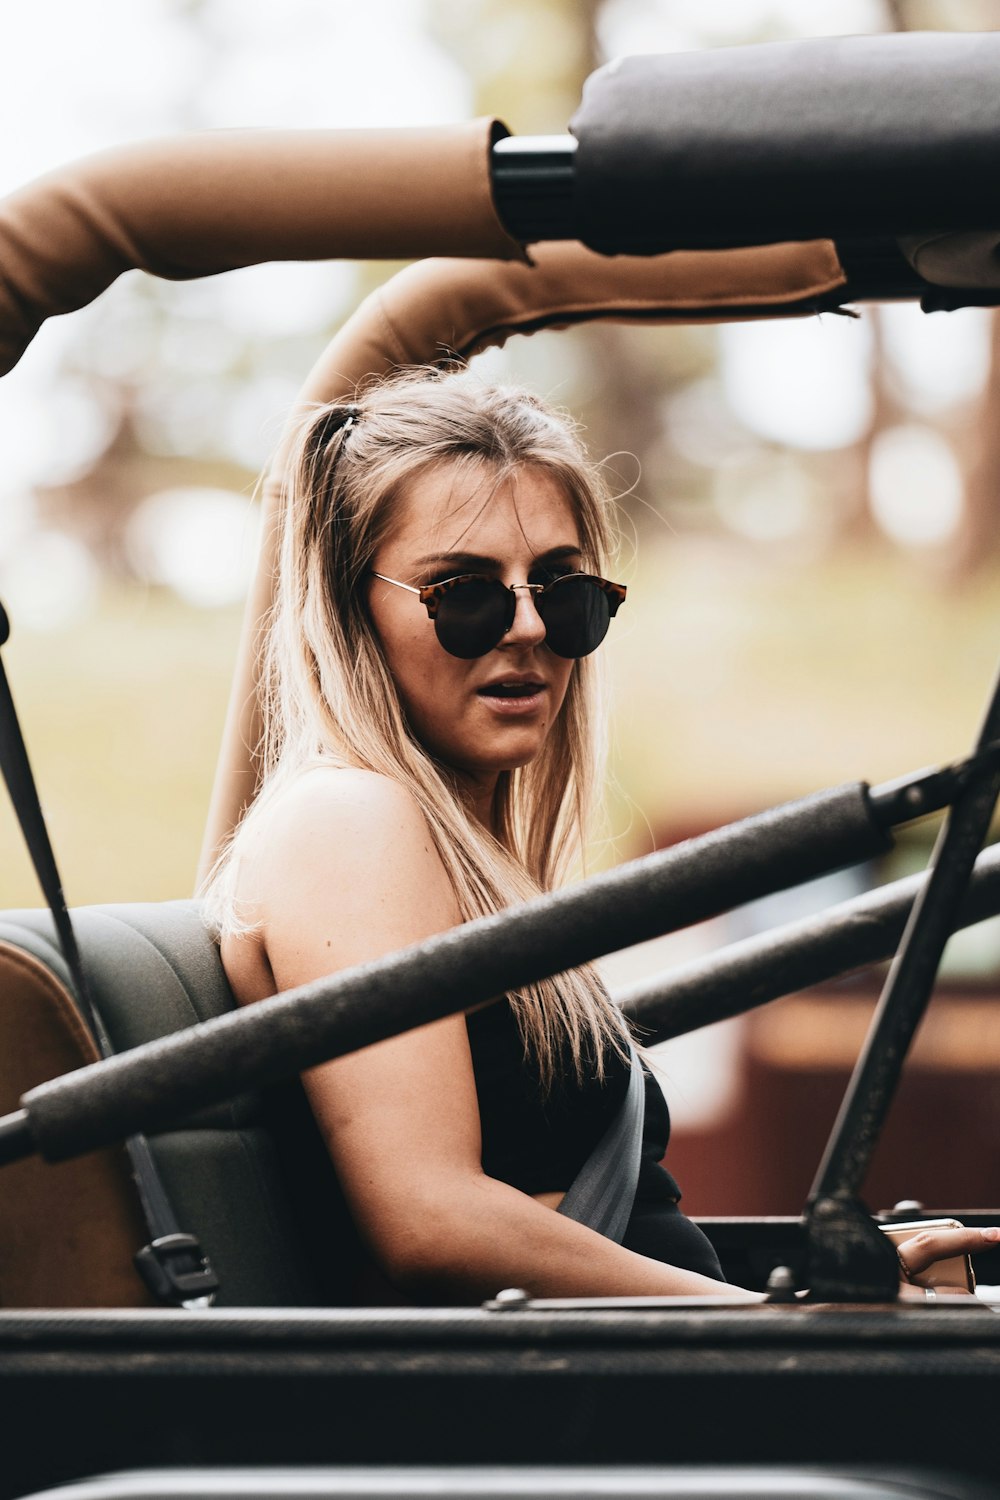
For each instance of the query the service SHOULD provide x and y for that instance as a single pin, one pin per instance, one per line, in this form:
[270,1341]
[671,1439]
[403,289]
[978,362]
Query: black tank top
[538,1142]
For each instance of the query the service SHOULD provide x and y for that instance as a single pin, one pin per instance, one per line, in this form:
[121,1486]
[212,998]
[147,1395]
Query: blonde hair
[328,696]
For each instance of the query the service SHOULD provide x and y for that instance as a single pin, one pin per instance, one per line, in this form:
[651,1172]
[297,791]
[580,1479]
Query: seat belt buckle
[175,1270]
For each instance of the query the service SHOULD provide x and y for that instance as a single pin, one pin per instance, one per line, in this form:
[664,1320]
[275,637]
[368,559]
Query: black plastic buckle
[175,1270]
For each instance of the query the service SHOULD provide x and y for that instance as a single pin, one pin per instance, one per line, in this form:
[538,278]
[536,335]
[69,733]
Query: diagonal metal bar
[848,1260]
[910,981]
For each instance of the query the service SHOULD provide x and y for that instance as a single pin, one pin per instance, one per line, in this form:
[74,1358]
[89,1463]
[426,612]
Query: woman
[429,756]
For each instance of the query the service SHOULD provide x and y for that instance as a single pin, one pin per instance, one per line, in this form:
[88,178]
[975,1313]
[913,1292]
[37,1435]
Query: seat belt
[602,1193]
[172,1265]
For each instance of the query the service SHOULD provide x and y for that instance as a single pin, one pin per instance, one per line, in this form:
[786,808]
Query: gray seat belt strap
[602,1193]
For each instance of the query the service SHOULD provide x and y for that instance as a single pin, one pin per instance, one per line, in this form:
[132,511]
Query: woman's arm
[343,871]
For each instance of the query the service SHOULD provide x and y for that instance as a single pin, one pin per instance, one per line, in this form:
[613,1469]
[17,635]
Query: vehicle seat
[250,1177]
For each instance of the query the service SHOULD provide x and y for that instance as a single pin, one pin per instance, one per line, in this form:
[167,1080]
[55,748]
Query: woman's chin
[483,771]
[513,755]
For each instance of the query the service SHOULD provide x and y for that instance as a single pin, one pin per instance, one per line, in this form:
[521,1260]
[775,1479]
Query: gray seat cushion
[250,1176]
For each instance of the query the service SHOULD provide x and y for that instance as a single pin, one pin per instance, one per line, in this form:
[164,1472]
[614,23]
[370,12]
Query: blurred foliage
[122,715]
[744,677]
[942,15]
[527,59]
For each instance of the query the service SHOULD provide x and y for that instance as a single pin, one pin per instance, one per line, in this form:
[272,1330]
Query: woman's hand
[926,1248]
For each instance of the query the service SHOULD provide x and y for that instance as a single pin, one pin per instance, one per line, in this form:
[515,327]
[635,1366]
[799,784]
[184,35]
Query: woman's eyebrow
[474,562]
[557,554]
[467,562]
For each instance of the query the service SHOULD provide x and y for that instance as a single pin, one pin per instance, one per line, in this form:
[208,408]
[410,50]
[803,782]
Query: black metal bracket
[848,1257]
[924,792]
[533,186]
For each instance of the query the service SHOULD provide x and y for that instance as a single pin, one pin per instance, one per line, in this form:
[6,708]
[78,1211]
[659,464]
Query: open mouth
[510,690]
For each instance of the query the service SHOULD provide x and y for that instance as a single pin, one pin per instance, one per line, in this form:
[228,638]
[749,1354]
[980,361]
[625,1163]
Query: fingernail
[990,1234]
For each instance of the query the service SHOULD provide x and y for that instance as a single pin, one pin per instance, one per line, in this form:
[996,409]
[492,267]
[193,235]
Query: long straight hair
[328,696]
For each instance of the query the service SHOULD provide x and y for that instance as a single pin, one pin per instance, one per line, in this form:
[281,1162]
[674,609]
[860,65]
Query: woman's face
[466,713]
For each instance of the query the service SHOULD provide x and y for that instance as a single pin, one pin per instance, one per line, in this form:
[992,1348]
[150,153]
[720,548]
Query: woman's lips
[527,700]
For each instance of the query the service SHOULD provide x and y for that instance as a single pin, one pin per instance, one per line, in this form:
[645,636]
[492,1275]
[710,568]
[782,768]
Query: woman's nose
[528,628]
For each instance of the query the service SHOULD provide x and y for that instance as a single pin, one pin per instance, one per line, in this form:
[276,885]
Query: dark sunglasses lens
[474,616]
[577,612]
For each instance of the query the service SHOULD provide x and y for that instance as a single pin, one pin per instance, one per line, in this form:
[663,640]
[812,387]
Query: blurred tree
[941,15]
[190,384]
[528,61]
[978,543]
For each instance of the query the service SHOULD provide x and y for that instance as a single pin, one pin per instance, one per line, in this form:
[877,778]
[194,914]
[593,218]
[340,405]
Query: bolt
[510,1299]
[781,1285]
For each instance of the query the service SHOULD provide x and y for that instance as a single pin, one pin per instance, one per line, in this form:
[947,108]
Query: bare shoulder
[340,826]
[329,798]
[341,868]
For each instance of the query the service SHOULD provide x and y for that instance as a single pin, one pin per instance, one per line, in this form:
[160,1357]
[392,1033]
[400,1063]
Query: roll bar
[857,137]
[864,141]
[841,940]
[211,201]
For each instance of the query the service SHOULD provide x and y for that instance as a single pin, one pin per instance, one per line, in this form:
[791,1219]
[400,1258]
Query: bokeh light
[803,383]
[49,581]
[916,486]
[202,543]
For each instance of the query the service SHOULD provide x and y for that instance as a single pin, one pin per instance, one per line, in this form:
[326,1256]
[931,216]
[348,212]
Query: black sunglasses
[473,613]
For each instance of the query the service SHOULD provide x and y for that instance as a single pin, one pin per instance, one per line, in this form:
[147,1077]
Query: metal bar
[848,1259]
[756,970]
[914,796]
[910,981]
[16,1140]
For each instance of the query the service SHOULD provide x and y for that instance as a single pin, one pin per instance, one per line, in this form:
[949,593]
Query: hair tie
[340,418]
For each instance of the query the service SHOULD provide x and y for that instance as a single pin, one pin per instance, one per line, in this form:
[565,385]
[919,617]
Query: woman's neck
[480,798]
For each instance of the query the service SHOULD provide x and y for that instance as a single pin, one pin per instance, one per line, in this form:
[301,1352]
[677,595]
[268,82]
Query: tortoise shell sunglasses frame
[473,612]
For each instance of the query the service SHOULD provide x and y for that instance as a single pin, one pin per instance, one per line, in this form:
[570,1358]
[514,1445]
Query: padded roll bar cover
[832,136]
[448,307]
[442,308]
[69,1231]
[208,202]
[151,1086]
